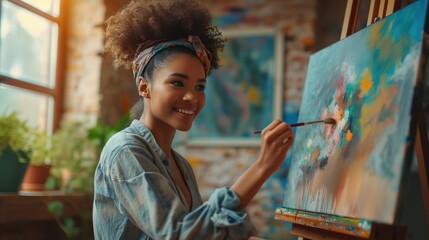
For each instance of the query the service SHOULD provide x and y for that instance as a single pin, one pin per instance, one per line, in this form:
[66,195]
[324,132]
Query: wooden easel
[378,10]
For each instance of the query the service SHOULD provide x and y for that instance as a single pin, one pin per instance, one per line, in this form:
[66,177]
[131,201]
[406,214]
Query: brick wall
[83,63]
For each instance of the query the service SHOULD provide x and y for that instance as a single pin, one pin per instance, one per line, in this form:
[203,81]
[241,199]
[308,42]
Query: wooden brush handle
[297,124]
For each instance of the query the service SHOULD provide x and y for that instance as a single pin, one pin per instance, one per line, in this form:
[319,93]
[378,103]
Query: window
[30,60]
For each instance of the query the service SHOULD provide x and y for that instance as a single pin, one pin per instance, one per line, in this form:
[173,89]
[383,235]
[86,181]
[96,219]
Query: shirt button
[165,162]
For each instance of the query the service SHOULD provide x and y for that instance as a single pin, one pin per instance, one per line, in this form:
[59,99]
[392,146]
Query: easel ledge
[338,224]
[380,232]
[309,225]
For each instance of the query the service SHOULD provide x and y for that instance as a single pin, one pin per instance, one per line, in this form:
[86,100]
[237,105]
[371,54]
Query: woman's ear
[144,89]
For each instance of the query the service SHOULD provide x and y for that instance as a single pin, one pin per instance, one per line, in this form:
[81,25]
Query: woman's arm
[277,138]
[151,203]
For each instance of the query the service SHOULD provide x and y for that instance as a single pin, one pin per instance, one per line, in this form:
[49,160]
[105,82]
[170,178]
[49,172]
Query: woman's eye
[177,83]
[201,87]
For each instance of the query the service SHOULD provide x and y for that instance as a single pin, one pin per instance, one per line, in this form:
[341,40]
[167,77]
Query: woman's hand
[277,138]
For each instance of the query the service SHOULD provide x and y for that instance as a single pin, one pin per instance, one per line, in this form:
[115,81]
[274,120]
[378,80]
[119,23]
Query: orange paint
[366,82]
[349,136]
[375,35]
[315,154]
[339,114]
[371,112]
[254,95]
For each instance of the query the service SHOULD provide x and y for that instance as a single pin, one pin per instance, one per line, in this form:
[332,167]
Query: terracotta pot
[66,176]
[35,177]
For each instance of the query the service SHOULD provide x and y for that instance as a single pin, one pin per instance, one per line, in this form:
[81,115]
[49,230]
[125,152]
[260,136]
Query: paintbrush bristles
[330,121]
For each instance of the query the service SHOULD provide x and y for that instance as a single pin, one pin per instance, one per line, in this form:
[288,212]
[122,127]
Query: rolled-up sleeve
[225,218]
[150,202]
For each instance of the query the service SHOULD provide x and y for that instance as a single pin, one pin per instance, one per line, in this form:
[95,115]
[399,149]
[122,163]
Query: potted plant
[39,168]
[15,147]
[73,158]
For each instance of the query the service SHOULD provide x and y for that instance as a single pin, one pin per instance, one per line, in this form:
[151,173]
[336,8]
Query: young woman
[143,188]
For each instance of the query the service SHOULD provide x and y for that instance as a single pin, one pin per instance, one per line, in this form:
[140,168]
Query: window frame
[56,92]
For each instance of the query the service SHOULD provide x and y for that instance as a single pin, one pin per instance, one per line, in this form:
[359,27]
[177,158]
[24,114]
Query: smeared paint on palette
[350,226]
[368,83]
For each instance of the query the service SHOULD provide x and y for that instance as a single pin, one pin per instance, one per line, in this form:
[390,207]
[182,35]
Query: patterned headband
[193,43]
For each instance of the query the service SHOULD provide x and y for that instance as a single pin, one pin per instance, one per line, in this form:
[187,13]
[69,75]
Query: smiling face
[175,95]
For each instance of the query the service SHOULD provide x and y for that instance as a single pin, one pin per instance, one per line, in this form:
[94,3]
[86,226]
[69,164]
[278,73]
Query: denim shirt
[136,195]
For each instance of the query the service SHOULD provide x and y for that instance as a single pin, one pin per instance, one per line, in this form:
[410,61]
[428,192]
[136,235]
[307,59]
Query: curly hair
[144,23]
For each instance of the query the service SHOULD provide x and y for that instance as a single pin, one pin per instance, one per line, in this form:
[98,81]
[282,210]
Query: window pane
[36,108]
[27,47]
[49,6]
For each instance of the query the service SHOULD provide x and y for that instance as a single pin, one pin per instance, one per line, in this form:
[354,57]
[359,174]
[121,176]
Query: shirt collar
[145,132]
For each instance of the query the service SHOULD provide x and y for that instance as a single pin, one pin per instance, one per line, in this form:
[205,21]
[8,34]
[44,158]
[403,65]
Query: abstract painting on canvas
[369,83]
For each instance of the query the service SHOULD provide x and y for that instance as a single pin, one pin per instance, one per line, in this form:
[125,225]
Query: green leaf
[71,230]
[56,208]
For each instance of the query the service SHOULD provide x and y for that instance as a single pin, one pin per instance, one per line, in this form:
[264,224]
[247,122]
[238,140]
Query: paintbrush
[325,121]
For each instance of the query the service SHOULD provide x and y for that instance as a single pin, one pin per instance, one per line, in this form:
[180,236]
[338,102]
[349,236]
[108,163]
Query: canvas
[369,83]
[241,95]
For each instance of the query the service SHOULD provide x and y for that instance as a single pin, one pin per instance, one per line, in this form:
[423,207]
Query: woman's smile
[184,111]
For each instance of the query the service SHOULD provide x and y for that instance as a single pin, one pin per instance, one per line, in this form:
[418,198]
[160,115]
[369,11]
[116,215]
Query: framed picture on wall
[245,93]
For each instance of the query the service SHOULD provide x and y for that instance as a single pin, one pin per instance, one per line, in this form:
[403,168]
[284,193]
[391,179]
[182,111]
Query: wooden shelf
[26,213]
[33,206]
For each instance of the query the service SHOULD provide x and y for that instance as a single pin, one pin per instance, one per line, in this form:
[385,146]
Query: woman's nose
[190,96]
